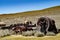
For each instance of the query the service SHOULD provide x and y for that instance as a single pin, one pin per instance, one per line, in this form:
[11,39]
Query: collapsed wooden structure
[42,23]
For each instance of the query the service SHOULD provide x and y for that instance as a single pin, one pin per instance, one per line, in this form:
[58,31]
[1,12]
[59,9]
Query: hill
[53,12]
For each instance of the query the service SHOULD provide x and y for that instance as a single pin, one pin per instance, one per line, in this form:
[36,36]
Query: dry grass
[57,37]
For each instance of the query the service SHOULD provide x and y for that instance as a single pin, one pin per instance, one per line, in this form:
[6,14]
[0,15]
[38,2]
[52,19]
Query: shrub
[39,34]
[50,34]
[5,32]
[28,33]
[11,32]
[1,33]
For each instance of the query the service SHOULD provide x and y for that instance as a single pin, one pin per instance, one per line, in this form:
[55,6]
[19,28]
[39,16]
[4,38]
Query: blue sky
[13,6]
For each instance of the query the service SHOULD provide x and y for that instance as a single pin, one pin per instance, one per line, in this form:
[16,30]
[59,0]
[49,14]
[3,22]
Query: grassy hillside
[53,12]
